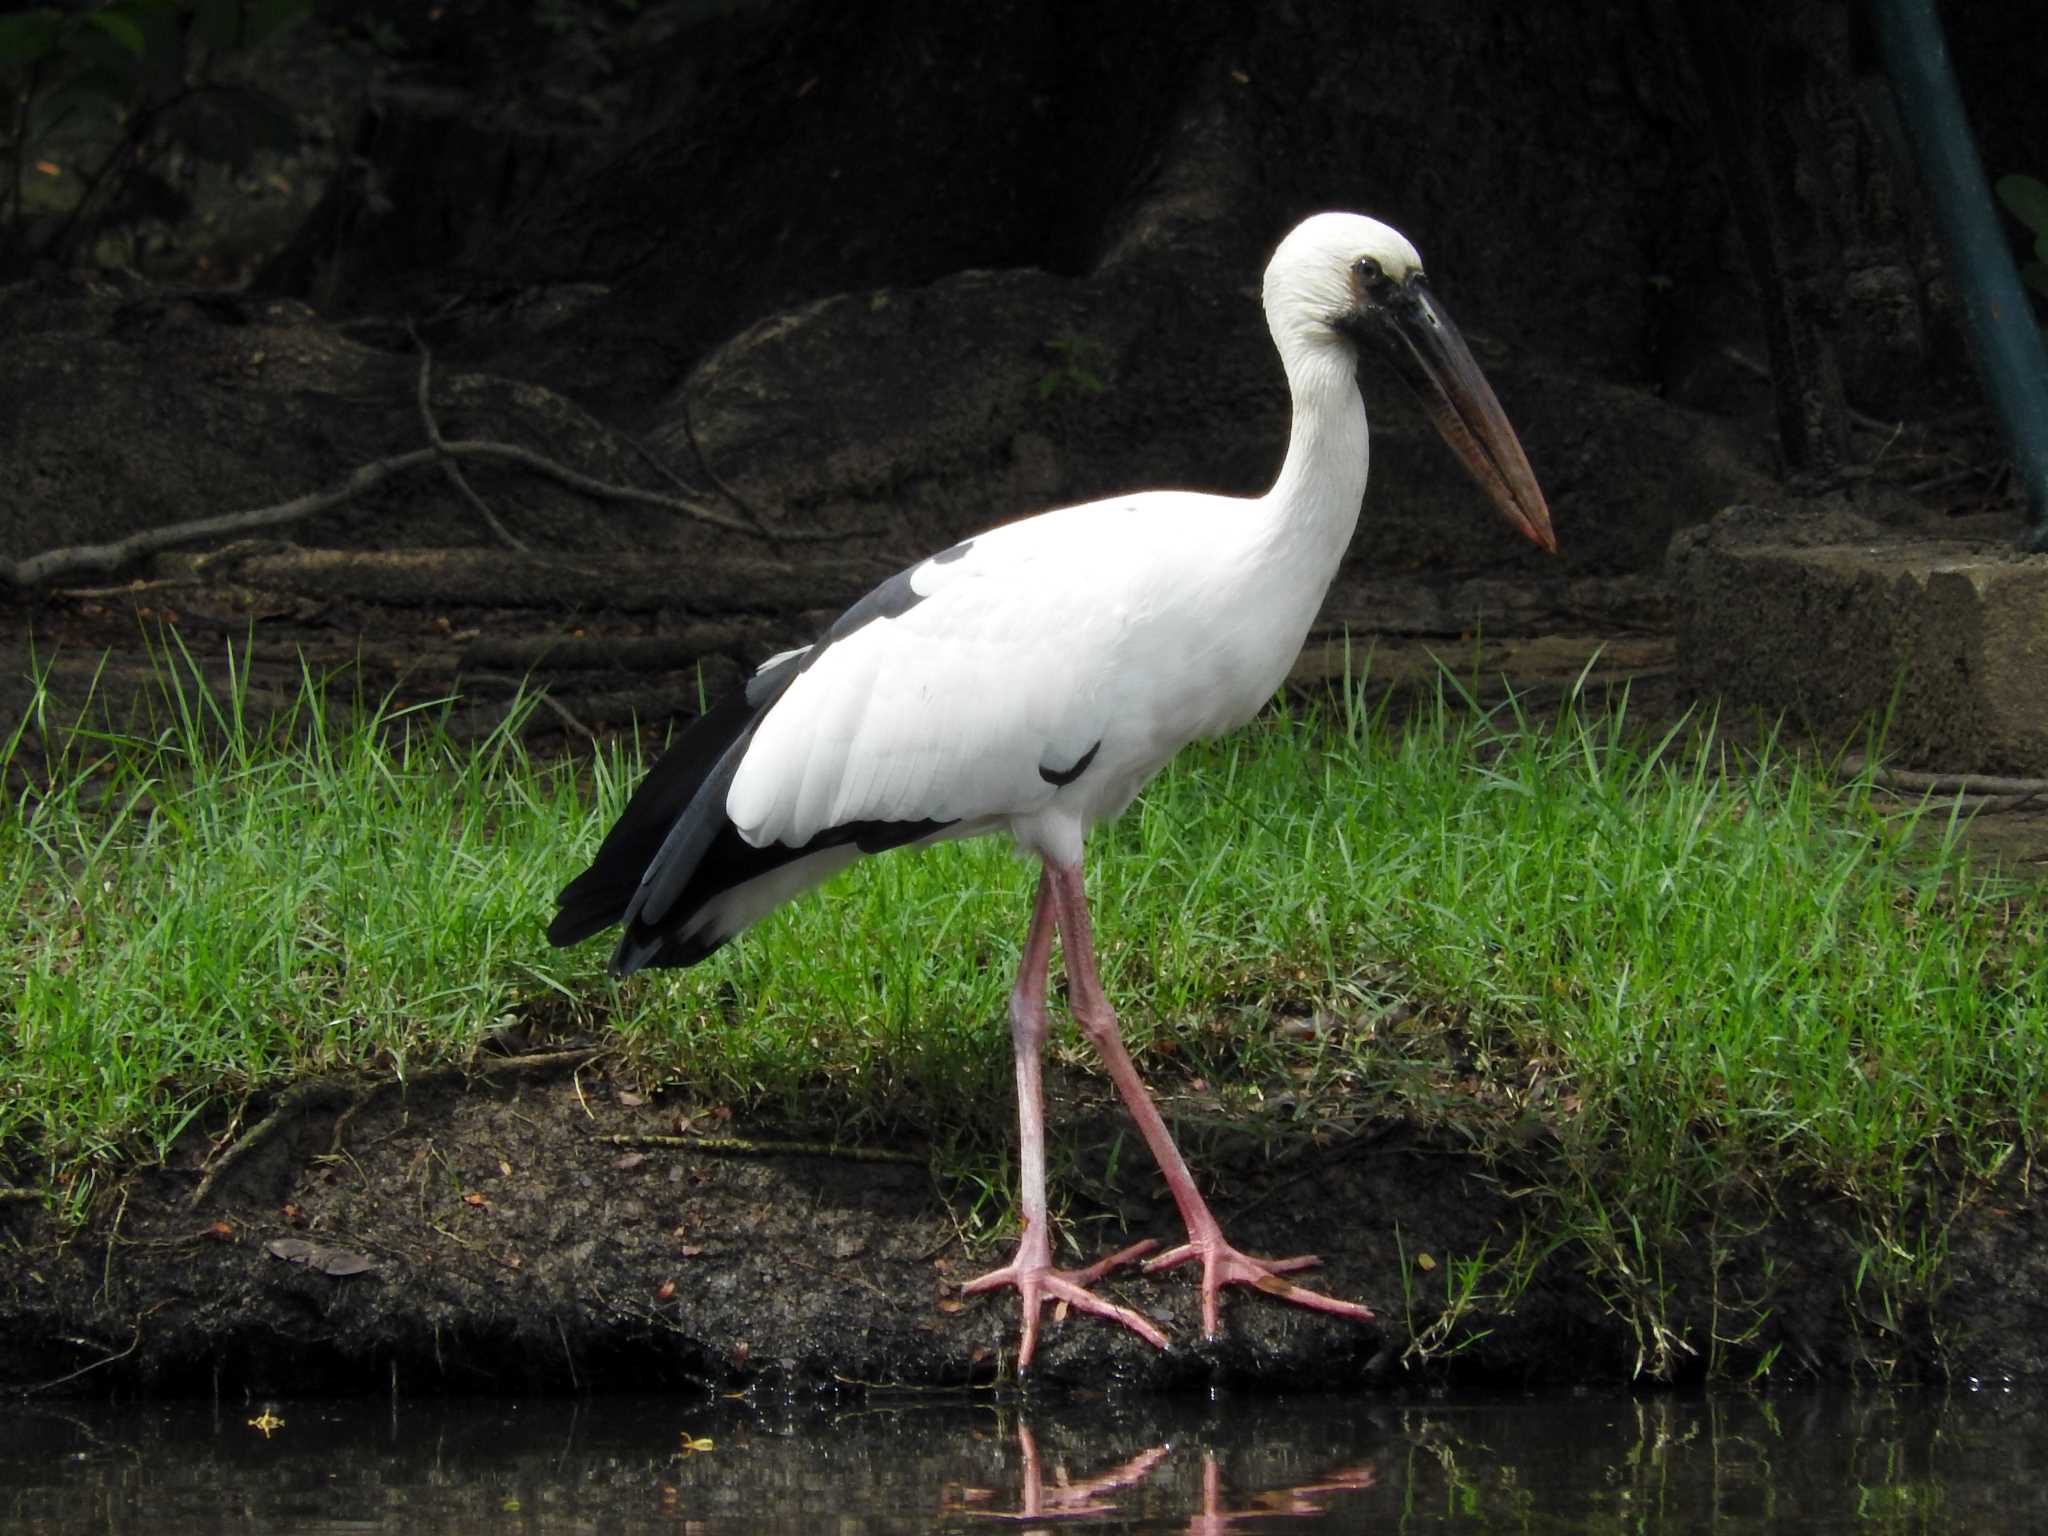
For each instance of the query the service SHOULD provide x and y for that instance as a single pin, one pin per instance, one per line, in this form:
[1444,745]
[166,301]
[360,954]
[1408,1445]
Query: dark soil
[509,1245]
[539,1224]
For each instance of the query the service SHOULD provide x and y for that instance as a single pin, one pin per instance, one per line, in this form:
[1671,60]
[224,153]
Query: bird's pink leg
[1031,1270]
[1221,1263]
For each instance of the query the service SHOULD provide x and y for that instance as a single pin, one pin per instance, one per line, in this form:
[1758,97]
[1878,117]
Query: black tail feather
[673,851]
[687,786]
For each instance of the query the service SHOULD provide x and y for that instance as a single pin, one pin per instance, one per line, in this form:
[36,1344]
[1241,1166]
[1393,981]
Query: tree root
[315,1092]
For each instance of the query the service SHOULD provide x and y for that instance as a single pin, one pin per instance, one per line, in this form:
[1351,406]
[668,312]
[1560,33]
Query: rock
[934,412]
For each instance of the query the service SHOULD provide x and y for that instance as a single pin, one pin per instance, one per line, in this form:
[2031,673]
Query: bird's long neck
[1313,506]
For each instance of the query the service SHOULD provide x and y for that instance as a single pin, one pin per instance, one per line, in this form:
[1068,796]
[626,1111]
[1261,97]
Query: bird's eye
[1372,277]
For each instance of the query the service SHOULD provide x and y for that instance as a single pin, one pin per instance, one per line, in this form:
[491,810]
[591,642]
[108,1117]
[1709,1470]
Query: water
[1867,1463]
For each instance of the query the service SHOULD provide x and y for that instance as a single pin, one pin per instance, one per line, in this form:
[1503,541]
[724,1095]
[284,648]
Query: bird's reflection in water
[1067,1498]
[884,1463]
[1064,1497]
[1301,1499]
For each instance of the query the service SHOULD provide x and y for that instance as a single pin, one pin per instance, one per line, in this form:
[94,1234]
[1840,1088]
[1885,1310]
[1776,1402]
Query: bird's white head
[1342,281]
[1312,282]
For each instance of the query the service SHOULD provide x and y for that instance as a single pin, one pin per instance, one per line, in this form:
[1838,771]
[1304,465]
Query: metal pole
[2005,337]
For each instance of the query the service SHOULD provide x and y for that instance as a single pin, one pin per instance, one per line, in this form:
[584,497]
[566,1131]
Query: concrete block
[1833,621]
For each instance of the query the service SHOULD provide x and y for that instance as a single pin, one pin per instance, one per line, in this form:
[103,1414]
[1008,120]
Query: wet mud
[541,1224]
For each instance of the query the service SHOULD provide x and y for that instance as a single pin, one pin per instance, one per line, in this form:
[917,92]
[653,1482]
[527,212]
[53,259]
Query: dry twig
[540,696]
[449,467]
[704,463]
[1956,783]
[74,559]
[133,1345]
[741,1146]
[1980,787]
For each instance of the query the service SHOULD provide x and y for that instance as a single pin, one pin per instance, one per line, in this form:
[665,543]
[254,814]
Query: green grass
[1693,972]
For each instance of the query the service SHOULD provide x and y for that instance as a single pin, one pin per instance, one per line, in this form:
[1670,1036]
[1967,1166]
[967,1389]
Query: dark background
[885,274]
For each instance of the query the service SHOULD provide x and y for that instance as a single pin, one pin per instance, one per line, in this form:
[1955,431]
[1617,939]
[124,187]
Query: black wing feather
[672,851]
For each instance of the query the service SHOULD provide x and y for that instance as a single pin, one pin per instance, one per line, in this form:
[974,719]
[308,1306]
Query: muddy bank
[491,1230]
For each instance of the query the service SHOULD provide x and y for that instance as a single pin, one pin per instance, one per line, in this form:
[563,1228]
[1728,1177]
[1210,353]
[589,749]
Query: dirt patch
[495,1232]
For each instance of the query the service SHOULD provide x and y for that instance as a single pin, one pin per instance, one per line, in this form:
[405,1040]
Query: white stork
[1030,680]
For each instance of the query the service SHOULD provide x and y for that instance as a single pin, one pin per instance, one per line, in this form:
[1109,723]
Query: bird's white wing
[954,691]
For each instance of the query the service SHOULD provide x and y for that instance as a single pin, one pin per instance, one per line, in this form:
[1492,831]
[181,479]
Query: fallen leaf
[627,1160]
[294,1215]
[222,1229]
[504,1168]
[1424,1262]
[338,1262]
[513,1261]
[666,1291]
[949,1303]
[688,1251]
[476,1198]
[630,1099]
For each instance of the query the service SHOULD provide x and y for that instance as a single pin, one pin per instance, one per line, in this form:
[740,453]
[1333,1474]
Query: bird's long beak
[1433,359]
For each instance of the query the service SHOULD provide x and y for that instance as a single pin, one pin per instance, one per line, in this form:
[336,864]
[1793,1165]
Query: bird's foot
[1037,1282]
[1224,1265]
